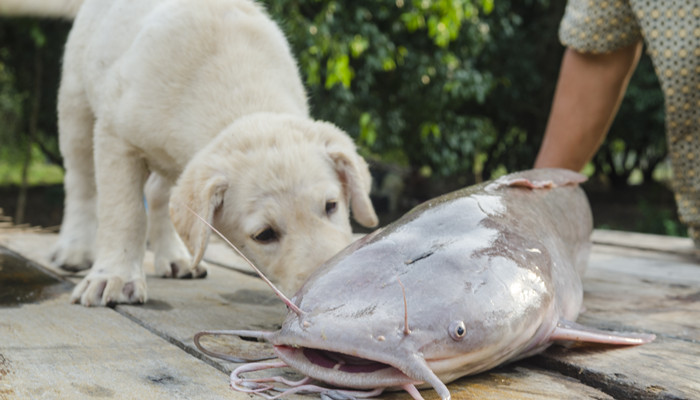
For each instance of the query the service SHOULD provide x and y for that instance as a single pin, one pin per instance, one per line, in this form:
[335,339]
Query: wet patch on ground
[23,281]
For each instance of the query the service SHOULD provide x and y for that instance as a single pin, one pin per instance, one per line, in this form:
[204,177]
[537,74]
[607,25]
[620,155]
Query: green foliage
[11,112]
[30,56]
[455,87]
[658,220]
[446,85]
[40,172]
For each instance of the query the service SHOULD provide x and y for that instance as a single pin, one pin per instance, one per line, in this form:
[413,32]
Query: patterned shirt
[671,30]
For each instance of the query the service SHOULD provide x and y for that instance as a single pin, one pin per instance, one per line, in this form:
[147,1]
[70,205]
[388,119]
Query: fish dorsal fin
[533,179]
[567,330]
[528,184]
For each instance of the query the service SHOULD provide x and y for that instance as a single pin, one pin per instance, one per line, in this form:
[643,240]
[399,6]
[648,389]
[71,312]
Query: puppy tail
[67,9]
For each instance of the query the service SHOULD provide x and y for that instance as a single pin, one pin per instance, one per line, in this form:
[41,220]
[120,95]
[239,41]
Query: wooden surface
[53,349]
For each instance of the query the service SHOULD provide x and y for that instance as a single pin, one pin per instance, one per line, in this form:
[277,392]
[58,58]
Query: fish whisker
[278,292]
[406,331]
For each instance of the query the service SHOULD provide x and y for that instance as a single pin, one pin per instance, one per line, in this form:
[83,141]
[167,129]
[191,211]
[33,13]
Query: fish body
[460,284]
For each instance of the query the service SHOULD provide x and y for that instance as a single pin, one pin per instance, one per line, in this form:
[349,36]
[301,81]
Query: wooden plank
[224,306]
[519,381]
[239,301]
[230,300]
[638,290]
[57,350]
[665,369]
[178,309]
[643,241]
[635,288]
[97,351]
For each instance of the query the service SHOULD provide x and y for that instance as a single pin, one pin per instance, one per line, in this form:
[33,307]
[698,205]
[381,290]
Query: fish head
[396,308]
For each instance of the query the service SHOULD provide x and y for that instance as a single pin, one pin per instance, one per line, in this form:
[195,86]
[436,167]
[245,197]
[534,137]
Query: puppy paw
[172,260]
[106,289]
[178,268]
[72,256]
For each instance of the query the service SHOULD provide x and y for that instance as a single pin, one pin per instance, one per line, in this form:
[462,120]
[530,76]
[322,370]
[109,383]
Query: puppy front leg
[117,275]
[74,250]
[172,260]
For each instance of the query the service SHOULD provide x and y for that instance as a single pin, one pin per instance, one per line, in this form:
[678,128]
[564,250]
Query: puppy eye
[457,330]
[265,236]
[331,207]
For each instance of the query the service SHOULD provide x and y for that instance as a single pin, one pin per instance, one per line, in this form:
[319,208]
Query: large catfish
[460,284]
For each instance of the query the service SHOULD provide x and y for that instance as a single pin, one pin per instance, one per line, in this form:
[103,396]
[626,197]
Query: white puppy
[207,94]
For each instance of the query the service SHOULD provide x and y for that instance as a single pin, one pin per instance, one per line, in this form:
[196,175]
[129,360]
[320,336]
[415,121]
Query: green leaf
[339,71]
[37,36]
[358,45]
[487,6]
[368,131]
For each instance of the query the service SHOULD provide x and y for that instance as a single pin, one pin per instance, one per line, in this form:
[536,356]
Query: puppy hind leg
[117,275]
[172,260]
[74,249]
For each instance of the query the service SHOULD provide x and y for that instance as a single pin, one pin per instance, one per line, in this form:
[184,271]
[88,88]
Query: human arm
[588,94]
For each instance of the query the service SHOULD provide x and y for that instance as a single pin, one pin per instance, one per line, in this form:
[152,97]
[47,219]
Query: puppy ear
[354,174]
[203,195]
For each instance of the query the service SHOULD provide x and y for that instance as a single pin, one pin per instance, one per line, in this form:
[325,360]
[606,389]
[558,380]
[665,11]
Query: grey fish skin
[506,260]
[503,258]
[460,284]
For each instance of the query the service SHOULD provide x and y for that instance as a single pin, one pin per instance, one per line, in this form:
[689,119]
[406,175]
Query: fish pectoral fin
[567,330]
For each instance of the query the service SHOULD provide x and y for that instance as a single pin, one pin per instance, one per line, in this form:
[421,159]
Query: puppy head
[281,189]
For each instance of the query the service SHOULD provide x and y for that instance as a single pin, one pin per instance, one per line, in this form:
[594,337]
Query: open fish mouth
[342,362]
[343,370]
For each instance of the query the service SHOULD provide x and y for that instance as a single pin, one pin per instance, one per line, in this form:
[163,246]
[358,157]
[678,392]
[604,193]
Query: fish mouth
[342,362]
[343,370]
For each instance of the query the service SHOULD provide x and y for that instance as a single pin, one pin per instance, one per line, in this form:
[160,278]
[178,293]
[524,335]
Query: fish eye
[331,207]
[265,235]
[457,330]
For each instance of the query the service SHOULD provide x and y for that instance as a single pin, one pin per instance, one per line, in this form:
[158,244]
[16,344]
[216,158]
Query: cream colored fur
[204,96]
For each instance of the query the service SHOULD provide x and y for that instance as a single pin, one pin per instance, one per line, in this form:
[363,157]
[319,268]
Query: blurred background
[438,94]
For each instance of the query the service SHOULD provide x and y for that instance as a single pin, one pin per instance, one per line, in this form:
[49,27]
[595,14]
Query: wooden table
[55,350]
